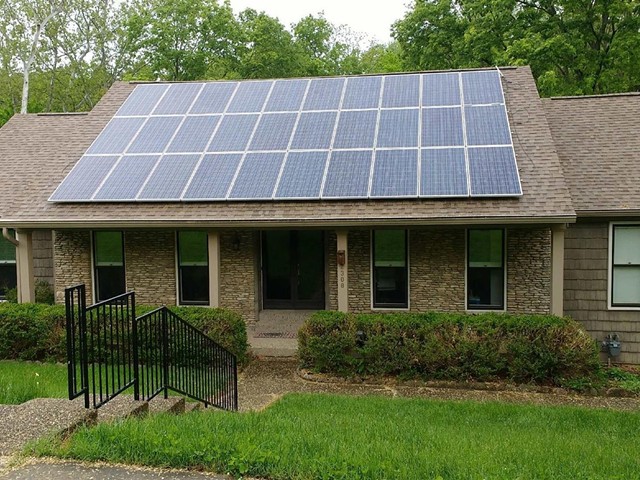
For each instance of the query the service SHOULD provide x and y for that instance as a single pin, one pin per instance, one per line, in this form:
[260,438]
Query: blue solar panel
[348,174]
[314,130]
[482,87]
[443,173]
[493,171]
[257,176]
[356,129]
[362,92]
[142,100]
[401,91]
[302,175]
[487,125]
[286,96]
[155,135]
[127,178]
[169,178]
[250,97]
[274,131]
[395,173]
[442,127]
[116,135]
[84,178]
[440,89]
[178,99]
[398,128]
[214,97]
[194,134]
[324,94]
[233,134]
[214,176]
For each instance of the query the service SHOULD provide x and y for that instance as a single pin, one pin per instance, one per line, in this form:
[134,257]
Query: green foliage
[23,381]
[37,332]
[624,379]
[44,292]
[573,47]
[522,348]
[335,437]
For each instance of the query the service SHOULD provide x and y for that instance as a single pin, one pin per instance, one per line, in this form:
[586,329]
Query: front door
[293,269]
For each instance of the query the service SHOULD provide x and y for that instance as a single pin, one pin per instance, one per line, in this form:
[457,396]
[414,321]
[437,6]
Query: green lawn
[307,436]
[22,381]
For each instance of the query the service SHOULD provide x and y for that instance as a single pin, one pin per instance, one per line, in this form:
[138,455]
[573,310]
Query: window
[108,260]
[625,266]
[8,274]
[390,273]
[193,268]
[485,270]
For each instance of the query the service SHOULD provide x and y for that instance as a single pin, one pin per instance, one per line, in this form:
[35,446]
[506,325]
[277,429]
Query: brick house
[549,250]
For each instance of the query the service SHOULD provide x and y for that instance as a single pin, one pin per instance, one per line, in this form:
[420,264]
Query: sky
[372,17]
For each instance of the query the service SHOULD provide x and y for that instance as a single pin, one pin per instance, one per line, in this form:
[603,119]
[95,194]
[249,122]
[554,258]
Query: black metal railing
[111,347]
[109,351]
[174,355]
[76,325]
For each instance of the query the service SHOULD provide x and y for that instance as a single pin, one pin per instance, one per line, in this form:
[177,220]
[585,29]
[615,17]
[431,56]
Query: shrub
[43,293]
[37,332]
[522,348]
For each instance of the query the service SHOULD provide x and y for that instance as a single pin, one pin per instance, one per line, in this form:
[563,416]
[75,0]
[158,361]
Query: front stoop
[273,347]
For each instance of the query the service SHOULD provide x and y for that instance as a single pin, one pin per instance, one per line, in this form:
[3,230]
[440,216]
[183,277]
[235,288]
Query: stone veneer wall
[586,276]
[71,261]
[437,260]
[239,274]
[43,256]
[150,266]
[529,270]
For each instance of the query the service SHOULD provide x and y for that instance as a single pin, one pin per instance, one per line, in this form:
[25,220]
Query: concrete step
[192,407]
[274,347]
[123,406]
[174,405]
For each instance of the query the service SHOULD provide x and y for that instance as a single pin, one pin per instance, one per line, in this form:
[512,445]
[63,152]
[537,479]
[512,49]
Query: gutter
[8,237]
[286,223]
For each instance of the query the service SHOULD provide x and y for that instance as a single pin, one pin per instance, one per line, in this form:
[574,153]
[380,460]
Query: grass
[306,436]
[22,381]
[626,379]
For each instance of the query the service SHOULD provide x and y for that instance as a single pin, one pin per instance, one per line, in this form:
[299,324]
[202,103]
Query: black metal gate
[110,351]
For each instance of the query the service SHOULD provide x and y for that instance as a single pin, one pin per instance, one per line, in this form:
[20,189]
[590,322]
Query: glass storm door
[293,269]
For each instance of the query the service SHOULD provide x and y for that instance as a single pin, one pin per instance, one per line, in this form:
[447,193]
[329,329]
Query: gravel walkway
[265,381]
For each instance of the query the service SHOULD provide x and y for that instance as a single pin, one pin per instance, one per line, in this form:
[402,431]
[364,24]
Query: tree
[573,46]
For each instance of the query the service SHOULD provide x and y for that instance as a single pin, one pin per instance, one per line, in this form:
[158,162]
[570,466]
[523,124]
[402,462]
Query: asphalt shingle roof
[37,151]
[598,142]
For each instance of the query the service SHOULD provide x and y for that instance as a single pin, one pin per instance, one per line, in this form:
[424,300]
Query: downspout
[5,234]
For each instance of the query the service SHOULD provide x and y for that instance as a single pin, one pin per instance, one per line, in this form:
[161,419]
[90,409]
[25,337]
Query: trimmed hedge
[37,332]
[541,349]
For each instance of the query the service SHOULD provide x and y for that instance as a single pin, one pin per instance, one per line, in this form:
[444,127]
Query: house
[468,231]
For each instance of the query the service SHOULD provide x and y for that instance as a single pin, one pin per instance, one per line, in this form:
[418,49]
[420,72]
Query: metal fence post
[84,356]
[165,352]
[134,347]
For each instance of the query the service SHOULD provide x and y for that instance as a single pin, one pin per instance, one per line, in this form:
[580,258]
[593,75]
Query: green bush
[43,292]
[37,332]
[540,349]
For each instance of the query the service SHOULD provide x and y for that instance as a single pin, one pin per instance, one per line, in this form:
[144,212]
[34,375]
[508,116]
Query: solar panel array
[388,136]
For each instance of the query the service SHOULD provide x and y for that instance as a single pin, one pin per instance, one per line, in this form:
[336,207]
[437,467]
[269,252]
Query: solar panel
[395,173]
[194,134]
[398,128]
[169,178]
[324,94]
[356,129]
[442,127]
[155,135]
[127,177]
[213,177]
[214,98]
[443,173]
[380,136]
[257,176]
[143,100]
[493,171]
[348,174]
[302,175]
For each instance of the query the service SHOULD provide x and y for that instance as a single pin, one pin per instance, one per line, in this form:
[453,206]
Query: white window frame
[610,305]
[466,271]
[177,270]
[92,254]
[372,266]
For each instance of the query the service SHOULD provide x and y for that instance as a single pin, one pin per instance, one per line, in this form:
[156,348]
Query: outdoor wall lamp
[341,257]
